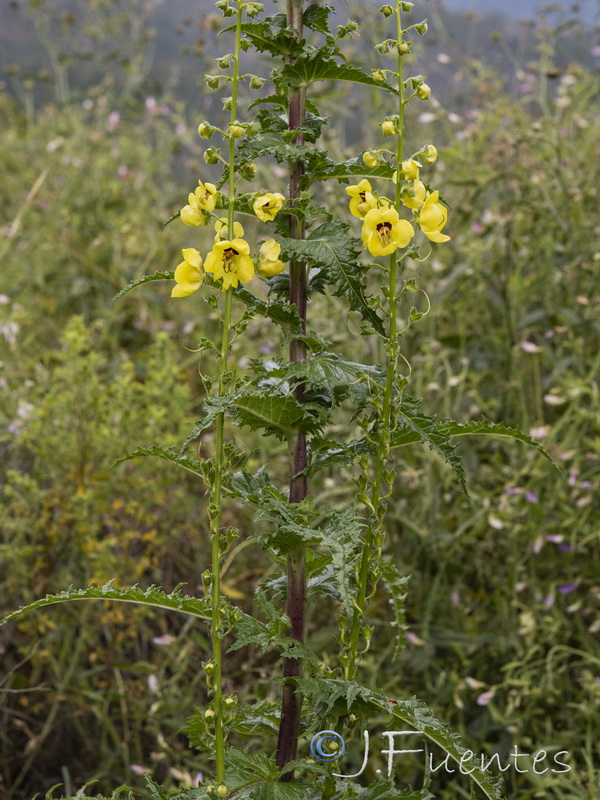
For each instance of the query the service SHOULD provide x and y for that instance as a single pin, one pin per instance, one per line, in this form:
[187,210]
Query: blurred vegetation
[504,601]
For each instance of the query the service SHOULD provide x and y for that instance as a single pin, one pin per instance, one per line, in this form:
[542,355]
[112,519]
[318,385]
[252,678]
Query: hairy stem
[291,703]
[374,537]
[215,515]
[215,532]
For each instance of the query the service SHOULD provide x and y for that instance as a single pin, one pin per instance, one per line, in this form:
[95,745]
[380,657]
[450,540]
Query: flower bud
[208,667]
[222,5]
[387,11]
[383,47]
[206,578]
[421,28]
[252,9]
[423,92]
[372,159]
[212,81]
[230,701]
[404,48]
[389,127]
[256,82]
[209,715]
[205,130]
[235,130]
[377,75]
[430,154]
[248,171]
[245,44]
[404,6]
[227,101]
[223,62]
[222,790]
[211,156]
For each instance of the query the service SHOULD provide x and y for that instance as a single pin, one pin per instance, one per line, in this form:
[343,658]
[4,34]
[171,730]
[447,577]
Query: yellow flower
[222,229]
[230,261]
[388,127]
[371,159]
[268,205]
[414,196]
[188,274]
[206,196]
[384,232]
[432,217]
[430,154]
[362,198]
[191,214]
[269,263]
[410,170]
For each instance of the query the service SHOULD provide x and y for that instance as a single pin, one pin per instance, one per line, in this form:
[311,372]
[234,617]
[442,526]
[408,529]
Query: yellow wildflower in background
[188,274]
[384,232]
[432,217]
[222,229]
[268,205]
[269,263]
[229,260]
[362,198]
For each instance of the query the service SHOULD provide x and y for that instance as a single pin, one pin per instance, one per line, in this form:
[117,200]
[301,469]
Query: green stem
[374,536]
[215,533]
[234,97]
[216,497]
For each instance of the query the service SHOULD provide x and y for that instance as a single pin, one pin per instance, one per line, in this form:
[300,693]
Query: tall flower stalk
[374,537]
[216,493]
[287,743]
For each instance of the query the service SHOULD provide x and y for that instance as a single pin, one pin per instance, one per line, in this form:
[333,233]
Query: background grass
[503,604]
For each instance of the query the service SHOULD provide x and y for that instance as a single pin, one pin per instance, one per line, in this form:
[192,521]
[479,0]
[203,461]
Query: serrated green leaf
[153,596]
[331,248]
[250,631]
[329,371]
[268,36]
[395,583]
[482,427]
[213,406]
[316,17]
[269,144]
[277,311]
[339,697]
[249,487]
[170,454]
[414,425]
[277,414]
[322,168]
[307,69]
[157,276]
[342,539]
[333,454]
